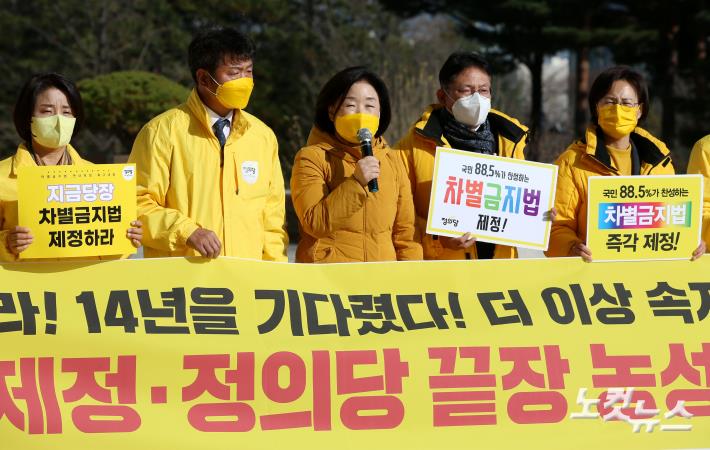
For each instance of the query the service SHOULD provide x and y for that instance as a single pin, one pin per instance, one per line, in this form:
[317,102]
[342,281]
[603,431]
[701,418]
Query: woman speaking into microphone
[340,218]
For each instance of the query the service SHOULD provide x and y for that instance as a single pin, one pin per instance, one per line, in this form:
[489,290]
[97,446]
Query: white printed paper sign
[496,199]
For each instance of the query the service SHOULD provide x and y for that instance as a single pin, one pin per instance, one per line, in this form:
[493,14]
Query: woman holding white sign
[48,112]
[461,119]
[344,216]
[613,145]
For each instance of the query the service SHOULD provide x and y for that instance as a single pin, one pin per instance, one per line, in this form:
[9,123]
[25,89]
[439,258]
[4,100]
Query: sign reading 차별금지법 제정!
[77,210]
[644,217]
[454,355]
[496,199]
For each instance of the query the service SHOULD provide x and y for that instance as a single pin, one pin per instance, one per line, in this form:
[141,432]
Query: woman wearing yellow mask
[613,145]
[47,113]
[342,219]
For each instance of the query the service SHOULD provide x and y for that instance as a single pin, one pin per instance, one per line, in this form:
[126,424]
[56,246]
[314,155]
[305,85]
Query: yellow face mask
[618,121]
[52,131]
[348,126]
[234,94]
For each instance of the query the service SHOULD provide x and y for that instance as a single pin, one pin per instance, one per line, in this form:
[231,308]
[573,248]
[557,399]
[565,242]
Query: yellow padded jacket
[340,220]
[589,157]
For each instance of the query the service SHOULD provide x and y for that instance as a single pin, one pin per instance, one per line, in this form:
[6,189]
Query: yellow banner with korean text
[77,210]
[507,354]
[644,217]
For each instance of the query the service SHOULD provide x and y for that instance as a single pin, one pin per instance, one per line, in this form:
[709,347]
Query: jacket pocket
[324,252]
[251,178]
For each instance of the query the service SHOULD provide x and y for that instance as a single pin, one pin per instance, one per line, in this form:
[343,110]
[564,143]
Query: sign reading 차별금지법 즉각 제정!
[415,355]
[496,199]
[644,217]
[77,210]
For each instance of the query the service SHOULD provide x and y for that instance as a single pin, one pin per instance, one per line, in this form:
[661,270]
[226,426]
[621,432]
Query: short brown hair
[212,45]
[457,62]
[602,85]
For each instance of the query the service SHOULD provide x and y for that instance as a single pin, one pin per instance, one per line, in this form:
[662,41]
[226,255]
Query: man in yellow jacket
[463,119]
[209,178]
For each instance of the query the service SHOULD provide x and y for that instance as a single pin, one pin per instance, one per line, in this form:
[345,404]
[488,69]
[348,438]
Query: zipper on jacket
[224,219]
[364,229]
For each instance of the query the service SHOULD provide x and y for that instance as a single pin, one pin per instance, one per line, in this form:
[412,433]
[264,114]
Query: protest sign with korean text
[644,217]
[77,210]
[496,199]
[174,353]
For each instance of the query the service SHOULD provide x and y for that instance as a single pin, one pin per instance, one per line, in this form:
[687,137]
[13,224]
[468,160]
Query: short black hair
[33,87]
[457,62]
[602,85]
[334,91]
[211,46]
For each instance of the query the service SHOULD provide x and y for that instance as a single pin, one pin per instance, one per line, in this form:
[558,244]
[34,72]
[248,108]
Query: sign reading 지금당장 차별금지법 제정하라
[644,217]
[77,210]
[496,199]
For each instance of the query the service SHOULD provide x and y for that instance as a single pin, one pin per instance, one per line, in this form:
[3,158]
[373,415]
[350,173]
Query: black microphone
[365,137]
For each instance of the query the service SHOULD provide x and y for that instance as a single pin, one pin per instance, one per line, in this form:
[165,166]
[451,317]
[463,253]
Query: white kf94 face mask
[471,110]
